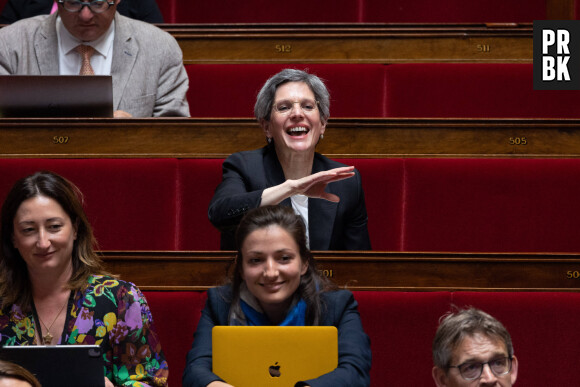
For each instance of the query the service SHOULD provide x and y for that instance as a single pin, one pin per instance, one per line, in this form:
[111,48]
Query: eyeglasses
[96,6]
[472,370]
[285,106]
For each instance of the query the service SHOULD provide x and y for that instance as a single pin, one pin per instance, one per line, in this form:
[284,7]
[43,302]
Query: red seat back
[472,91]
[230,90]
[130,202]
[453,11]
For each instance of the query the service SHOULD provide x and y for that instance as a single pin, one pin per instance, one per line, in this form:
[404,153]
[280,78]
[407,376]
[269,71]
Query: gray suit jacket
[149,79]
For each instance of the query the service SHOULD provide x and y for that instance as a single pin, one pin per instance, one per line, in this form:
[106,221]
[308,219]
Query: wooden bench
[353,43]
[345,138]
[365,270]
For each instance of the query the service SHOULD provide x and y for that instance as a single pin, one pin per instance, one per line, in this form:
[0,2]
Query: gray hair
[265,98]
[454,327]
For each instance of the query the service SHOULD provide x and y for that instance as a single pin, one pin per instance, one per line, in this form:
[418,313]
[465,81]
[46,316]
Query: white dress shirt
[70,61]
[300,206]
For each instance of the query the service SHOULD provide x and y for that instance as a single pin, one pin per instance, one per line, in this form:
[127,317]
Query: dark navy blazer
[332,226]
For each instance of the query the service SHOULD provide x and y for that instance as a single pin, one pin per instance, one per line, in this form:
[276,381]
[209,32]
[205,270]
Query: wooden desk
[365,270]
[344,138]
[353,43]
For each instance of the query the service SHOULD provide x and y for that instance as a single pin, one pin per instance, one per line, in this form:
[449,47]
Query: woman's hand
[312,186]
[108,383]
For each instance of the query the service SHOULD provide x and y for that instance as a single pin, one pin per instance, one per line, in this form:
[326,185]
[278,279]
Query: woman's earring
[269,139]
[321,136]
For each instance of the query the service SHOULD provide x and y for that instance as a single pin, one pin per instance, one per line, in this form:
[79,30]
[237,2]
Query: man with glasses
[87,38]
[471,348]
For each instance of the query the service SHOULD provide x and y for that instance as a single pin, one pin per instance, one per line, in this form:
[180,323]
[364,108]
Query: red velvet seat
[352,11]
[167,8]
[453,11]
[175,315]
[230,90]
[382,181]
[463,205]
[487,205]
[264,11]
[401,327]
[130,203]
[543,327]
[198,178]
[472,90]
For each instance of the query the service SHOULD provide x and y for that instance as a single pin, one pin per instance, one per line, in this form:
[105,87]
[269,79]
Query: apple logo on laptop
[274,370]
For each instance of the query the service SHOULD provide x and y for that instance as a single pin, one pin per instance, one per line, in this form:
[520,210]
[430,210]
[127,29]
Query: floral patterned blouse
[111,313]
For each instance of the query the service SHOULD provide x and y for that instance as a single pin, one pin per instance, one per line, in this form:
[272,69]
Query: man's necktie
[86,52]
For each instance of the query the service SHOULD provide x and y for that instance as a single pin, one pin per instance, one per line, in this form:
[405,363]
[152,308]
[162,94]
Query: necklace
[47,338]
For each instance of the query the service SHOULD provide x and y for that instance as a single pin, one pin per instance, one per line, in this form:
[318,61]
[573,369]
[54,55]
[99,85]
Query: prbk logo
[557,55]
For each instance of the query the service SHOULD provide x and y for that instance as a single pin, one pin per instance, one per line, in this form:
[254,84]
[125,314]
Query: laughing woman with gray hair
[293,109]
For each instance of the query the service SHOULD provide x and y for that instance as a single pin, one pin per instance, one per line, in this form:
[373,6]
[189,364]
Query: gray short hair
[454,327]
[265,98]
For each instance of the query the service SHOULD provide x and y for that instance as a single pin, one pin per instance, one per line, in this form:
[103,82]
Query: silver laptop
[60,365]
[26,96]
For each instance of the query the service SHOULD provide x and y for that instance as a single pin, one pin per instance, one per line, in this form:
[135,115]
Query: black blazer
[332,226]
[14,10]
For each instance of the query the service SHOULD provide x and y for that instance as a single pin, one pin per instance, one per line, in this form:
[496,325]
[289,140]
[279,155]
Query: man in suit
[146,63]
